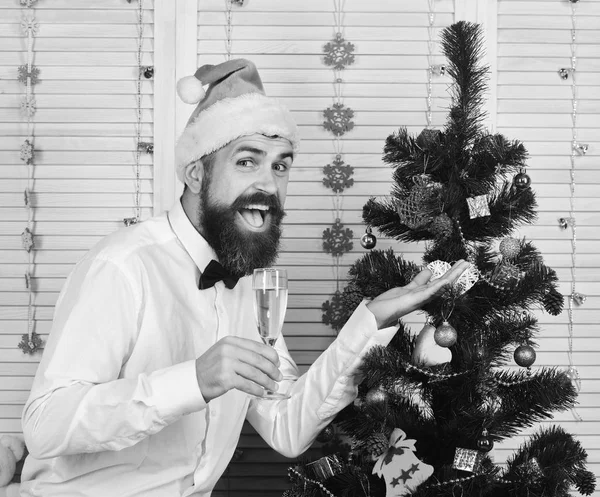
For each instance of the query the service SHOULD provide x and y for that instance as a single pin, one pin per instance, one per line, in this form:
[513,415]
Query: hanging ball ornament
[522,180]
[479,352]
[510,247]
[524,355]
[368,240]
[485,443]
[376,397]
[445,335]
[326,434]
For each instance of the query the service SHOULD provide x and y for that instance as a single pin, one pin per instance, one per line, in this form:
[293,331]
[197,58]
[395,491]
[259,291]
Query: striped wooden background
[85,174]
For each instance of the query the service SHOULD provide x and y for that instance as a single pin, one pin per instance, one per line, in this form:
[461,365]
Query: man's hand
[397,302]
[238,363]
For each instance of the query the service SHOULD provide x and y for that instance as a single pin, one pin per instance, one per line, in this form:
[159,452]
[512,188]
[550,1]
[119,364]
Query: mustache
[271,201]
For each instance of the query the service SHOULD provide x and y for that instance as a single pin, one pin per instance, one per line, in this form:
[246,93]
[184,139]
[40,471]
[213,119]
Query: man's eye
[245,162]
[280,167]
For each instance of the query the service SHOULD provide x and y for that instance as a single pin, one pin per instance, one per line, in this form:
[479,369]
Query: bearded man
[154,360]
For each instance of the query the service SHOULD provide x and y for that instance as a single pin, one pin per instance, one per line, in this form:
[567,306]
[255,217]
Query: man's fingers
[256,376]
[255,347]
[455,271]
[259,362]
[421,279]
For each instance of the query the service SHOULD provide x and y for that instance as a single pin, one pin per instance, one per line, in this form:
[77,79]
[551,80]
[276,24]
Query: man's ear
[193,175]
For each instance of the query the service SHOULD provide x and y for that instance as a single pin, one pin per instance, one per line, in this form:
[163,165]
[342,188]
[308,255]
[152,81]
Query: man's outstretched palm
[397,302]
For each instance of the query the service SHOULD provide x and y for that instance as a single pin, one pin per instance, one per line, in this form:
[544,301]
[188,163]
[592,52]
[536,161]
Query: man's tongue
[252,217]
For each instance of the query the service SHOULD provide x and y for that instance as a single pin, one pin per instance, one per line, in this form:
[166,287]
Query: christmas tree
[432,406]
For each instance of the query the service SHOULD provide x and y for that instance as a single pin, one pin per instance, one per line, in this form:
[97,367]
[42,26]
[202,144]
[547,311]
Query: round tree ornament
[524,355]
[522,180]
[485,443]
[445,335]
[510,247]
[376,396]
[368,240]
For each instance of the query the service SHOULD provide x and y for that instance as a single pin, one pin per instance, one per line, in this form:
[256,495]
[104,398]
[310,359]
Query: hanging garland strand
[28,75]
[337,240]
[141,146]
[577,149]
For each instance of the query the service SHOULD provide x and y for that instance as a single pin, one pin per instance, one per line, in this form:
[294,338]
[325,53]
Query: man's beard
[240,251]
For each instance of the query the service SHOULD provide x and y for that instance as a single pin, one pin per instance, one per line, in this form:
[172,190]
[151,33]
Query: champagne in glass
[270,287]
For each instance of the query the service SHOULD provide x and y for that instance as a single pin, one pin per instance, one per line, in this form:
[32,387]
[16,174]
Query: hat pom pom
[190,90]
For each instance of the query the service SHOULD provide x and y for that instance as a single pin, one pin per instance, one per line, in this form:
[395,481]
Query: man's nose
[266,181]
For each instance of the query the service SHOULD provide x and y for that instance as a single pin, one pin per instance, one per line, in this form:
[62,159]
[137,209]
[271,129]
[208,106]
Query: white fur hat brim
[229,119]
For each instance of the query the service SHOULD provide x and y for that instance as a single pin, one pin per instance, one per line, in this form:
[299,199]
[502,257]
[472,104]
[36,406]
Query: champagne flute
[270,287]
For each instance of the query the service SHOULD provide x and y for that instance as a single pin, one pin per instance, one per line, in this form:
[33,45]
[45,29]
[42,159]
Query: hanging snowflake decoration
[27,152]
[27,240]
[29,25]
[32,75]
[339,52]
[30,345]
[333,311]
[338,119]
[337,240]
[28,3]
[338,176]
[28,106]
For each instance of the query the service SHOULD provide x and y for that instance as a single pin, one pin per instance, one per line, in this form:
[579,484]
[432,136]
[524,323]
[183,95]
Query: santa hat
[234,105]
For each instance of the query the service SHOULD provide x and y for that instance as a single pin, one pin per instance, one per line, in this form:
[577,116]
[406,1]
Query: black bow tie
[215,272]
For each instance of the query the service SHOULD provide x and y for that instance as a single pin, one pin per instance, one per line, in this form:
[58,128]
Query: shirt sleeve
[331,383]
[79,402]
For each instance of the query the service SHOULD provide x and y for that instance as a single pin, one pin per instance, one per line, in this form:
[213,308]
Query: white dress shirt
[115,408]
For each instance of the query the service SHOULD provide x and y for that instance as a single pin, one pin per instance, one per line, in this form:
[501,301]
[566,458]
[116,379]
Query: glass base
[274,396]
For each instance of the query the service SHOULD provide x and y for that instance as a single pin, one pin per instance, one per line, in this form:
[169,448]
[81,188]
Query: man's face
[241,201]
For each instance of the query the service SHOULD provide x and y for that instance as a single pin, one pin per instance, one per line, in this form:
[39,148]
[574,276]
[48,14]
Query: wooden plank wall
[85,174]
[534,105]
[85,155]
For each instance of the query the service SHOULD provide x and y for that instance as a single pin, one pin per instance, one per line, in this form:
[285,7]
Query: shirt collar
[193,242]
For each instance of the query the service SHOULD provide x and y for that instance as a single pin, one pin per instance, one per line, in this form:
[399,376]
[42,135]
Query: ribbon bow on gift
[399,466]
[398,444]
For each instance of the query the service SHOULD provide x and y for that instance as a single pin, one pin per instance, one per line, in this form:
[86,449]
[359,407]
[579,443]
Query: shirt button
[213,414]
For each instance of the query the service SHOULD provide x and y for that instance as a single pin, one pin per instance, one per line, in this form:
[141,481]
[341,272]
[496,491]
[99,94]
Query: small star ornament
[564,72]
[579,298]
[146,147]
[399,466]
[478,206]
[581,148]
[130,221]
[28,3]
[438,70]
